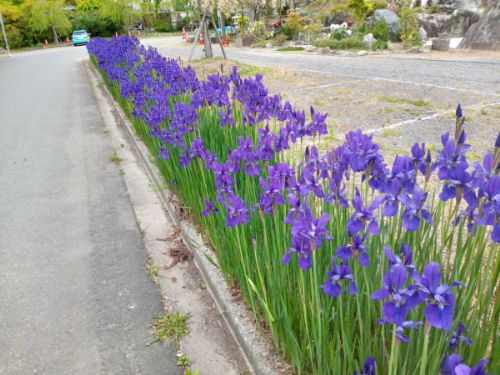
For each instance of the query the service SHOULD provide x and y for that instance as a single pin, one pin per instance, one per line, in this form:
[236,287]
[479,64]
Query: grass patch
[153,271]
[171,326]
[290,49]
[395,99]
[114,158]
[391,133]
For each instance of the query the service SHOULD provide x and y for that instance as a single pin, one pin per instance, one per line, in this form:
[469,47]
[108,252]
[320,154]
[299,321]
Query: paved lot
[74,296]
[402,98]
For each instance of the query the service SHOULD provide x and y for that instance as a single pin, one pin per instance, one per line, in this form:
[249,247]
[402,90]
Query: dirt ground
[397,114]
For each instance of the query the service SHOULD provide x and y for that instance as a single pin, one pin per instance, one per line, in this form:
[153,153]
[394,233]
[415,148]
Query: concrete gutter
[256,350]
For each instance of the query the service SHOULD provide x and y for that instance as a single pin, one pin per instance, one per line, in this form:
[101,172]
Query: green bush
[351,42]
[408,27]
[294,25]
[380,30]
[162,26]
[339,34]
[95,24]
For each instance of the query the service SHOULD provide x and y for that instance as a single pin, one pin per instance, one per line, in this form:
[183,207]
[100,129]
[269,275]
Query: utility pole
[4,34]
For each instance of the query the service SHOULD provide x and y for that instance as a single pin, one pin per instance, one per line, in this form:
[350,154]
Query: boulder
[433,23]
[485,33]
[369,40]
[362,53]
[389,17]
[441,44]
[422,34]
[450,6]
[460,22]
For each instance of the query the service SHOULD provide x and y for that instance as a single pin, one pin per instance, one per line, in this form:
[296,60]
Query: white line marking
[425,118]
[404,82]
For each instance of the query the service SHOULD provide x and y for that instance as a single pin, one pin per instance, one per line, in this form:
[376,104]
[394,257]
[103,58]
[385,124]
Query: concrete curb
[256,350]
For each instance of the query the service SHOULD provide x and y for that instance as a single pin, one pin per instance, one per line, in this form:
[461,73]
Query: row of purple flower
[150,81]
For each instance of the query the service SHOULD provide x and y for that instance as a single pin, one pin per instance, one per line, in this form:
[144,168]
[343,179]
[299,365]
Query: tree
[120,11]
[88,5]
[49,14]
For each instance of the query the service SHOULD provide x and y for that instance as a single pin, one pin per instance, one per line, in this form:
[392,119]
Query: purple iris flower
[361,150]
[236,211]
[369,367]
[450,361]
[197,148]
[478,369]
[404,258]
[391,198]
[163,153]
[415,209]
[302,249]
[307,227]
[400,329]
[459,337]
[294,202]
[308,182]
[403,170]
[363,215]
[355,248]
[271,193]
[209,208]
[452,365]
[400,298]
[223,177]
[440,299]
[337,274]
[450,158]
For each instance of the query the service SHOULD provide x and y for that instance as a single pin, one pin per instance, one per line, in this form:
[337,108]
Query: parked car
[80,37]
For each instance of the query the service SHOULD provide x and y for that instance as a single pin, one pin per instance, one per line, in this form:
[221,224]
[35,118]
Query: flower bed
[350,265]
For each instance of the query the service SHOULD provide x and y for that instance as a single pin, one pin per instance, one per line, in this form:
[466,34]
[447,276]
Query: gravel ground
[401,98]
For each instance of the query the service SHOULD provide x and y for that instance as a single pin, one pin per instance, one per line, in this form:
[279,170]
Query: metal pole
[4,34]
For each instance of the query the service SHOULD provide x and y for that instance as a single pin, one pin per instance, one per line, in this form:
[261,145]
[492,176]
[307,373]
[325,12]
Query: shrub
[294,25]
[380,30]
[408,27]
[259,30]
[162,26]
[279,40]
[339,34]
[360,9]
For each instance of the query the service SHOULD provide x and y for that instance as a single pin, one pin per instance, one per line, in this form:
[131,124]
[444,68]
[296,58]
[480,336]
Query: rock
[485,33]
[389,17]
[455,42]
[309,48]
[449,6]
[422,34]
[362,53]
[415,49]
[244,40]
[390,46]
[460,22]
[441,44]
[325,50]
[369,40]
[433,24]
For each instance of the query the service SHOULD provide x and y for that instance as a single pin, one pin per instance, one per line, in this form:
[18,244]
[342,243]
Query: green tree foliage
[408,27]
[88,5]
[120,11]
[50,14]
[359,8]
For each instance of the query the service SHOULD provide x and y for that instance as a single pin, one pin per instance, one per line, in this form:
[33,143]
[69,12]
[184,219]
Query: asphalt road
[74,298]
[467,74]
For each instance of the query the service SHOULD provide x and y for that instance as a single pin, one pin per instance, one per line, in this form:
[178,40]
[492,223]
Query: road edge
[256,350]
